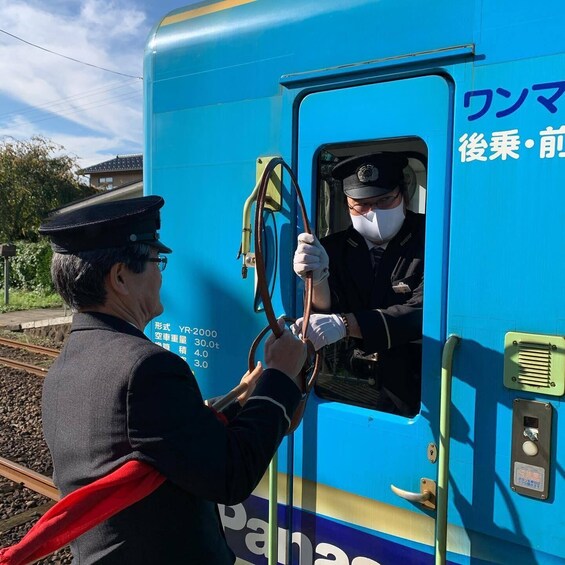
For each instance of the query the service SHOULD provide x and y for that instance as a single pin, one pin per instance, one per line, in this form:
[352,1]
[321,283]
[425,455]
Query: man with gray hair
[113,396]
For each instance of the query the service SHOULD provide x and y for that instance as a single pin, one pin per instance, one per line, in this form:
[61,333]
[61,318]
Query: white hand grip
[420,497]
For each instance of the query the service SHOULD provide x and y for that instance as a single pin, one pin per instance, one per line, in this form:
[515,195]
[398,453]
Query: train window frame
[336,383]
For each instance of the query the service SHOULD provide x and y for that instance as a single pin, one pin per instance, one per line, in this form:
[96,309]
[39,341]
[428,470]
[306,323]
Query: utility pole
[7,250]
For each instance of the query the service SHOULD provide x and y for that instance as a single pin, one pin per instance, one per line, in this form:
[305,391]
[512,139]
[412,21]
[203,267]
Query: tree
[35,178]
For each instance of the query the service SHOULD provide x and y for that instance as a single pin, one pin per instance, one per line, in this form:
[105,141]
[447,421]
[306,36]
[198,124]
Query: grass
[22,300]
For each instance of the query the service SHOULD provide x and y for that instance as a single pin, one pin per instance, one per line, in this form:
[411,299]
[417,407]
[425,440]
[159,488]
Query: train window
[357,372]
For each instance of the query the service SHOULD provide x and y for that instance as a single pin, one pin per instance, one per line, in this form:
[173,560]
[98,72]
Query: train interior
[347,376]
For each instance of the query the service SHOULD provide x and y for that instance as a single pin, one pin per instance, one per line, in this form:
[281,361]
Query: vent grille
[535,363]
[534,360]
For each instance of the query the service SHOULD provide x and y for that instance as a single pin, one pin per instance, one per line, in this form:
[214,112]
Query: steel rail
[29,479]
[50,352]
[40,371]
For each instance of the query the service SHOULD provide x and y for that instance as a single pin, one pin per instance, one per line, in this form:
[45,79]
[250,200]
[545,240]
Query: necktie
[376,255]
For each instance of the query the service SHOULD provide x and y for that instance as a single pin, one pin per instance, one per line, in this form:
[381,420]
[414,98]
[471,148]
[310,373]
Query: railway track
[9,469]
[33,481]
[38,349]
[48,351]
[29,479]
[25,494]
[33,369]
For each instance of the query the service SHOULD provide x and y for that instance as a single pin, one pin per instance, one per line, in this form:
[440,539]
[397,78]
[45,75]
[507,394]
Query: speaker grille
[534,360]
[534,363]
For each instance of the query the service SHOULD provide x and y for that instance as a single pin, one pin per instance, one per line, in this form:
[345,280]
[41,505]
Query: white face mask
[378,225]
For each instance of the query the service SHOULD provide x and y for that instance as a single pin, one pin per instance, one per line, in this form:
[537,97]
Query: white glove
[323,329]
[311,256]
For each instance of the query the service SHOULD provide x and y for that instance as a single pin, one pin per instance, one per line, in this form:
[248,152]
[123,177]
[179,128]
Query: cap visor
[161,247]
[360,192]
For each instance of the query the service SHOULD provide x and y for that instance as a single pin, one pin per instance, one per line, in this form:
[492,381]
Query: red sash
[83,509]
[86,507]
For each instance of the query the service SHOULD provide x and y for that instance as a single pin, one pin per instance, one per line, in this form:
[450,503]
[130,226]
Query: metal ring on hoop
[313,362]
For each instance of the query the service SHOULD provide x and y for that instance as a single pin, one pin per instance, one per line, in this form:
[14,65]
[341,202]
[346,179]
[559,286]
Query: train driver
[114,396]
[368,280]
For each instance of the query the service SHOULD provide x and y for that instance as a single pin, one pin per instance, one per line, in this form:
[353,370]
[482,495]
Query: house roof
[119,164]
[130,190]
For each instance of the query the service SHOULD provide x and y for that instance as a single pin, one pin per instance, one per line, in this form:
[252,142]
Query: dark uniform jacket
[388,307]
[112,396]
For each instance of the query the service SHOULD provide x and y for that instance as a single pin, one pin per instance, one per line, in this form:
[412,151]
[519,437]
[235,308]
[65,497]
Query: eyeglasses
[382,203]
[161,261]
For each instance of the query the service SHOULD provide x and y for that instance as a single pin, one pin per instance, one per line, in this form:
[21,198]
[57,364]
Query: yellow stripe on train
[364,512]
[204,10]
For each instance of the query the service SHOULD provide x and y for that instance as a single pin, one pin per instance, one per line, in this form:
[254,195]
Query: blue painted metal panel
[205,183]
[317,537]
[242,52]
[507,228]
[509,30]
[342,434]
[214,103]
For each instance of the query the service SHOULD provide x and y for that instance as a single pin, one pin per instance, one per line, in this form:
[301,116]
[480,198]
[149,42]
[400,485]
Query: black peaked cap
[106,225]
[367,176]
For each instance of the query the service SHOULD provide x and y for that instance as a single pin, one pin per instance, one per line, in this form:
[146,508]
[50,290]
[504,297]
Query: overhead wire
[67,57]
[53,104]
[56,107]
[71,111]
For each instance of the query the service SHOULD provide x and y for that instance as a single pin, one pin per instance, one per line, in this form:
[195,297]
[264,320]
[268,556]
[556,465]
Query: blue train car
[474,93]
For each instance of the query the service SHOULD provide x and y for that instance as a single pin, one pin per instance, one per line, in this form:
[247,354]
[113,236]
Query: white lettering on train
[235,518]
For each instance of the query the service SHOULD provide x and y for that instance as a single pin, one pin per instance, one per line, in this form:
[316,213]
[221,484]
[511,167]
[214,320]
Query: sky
[94,114]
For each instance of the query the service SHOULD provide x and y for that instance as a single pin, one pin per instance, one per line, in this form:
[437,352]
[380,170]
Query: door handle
[443,455]
[273,201]
[426,497]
